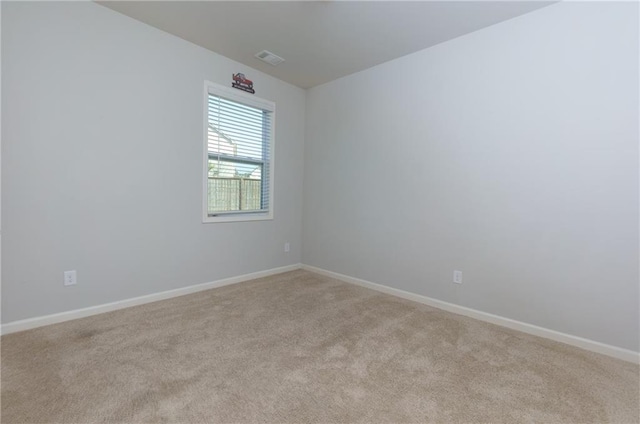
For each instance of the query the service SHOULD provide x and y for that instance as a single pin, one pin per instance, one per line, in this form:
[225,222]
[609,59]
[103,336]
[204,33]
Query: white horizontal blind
[239,152]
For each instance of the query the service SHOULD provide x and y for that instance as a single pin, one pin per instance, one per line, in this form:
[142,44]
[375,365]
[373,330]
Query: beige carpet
[303,348]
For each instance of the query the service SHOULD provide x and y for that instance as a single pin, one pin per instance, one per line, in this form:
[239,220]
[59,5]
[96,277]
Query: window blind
[239,152]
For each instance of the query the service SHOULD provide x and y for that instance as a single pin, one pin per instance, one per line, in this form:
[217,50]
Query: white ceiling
[320,40]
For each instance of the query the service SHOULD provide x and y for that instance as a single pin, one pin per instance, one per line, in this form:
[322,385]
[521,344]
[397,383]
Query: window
[238,156]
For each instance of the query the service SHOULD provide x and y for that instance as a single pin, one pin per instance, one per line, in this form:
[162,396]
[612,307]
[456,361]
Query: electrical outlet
[457,277]
[70,278]
[287,247]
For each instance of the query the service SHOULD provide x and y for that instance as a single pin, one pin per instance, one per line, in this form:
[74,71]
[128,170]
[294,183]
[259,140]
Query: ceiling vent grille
[270,58]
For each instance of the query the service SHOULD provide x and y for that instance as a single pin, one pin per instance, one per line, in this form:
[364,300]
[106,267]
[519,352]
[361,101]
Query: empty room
[320,212]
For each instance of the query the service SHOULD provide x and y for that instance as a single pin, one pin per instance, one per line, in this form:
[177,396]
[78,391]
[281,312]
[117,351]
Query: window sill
[238,218]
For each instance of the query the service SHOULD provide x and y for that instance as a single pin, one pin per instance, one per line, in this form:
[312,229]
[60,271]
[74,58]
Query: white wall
[510,153]
[102,162]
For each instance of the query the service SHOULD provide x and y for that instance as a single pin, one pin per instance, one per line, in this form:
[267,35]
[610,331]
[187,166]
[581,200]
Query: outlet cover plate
[457,277]
[70,278]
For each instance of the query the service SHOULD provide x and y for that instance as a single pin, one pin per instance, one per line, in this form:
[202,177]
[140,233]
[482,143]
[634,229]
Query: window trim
[249,100]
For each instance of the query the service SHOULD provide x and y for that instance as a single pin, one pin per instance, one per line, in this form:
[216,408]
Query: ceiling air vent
[270,58]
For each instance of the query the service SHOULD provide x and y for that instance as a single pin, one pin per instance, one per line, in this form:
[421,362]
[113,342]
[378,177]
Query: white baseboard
[593,346]
[616,352]
[27,324]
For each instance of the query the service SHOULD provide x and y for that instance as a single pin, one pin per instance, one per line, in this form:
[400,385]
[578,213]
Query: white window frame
[235,95]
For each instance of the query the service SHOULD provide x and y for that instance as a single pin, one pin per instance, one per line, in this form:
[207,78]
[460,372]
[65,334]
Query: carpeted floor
[303,348]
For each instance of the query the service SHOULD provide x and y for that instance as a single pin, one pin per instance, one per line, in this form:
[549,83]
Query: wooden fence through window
[234,194]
